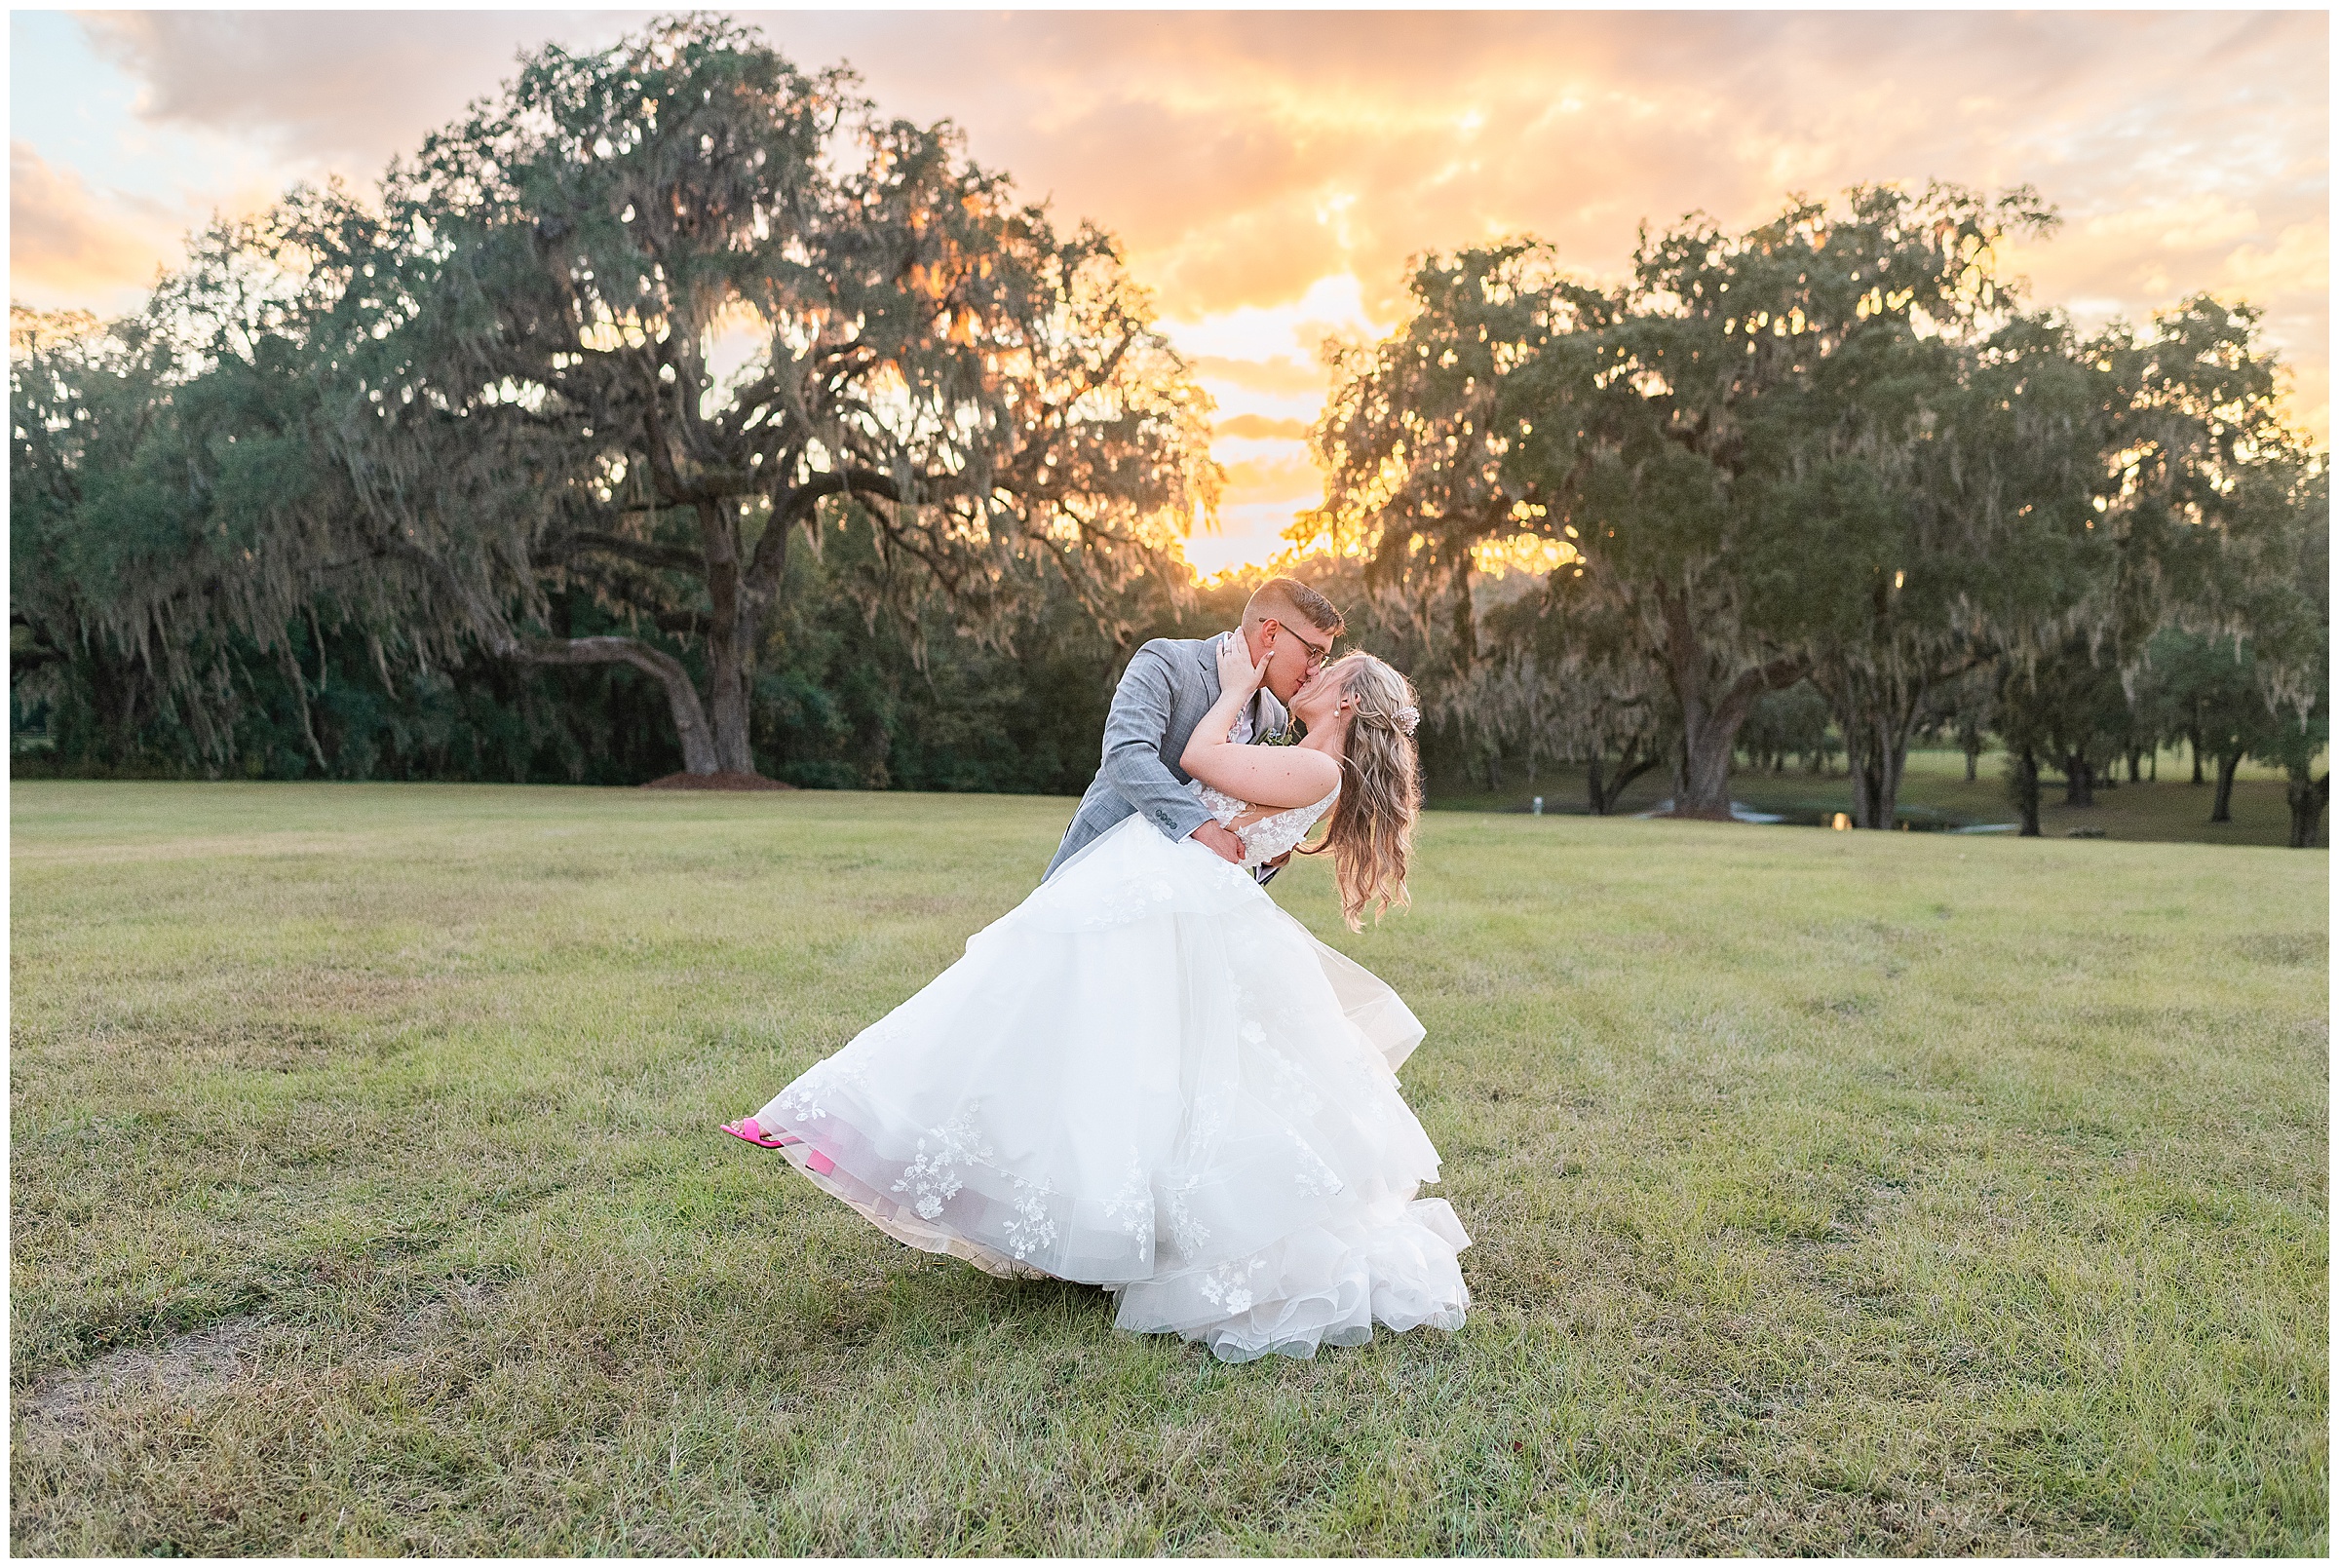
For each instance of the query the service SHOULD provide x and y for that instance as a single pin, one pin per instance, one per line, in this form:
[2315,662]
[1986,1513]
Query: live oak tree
[2285,548]
[75,392]
[658,311]
[1728,441]
[1976,545]
[76,396]
[173,516]
[2256,570]
[2208,686]
[2293,644]
[2205,517]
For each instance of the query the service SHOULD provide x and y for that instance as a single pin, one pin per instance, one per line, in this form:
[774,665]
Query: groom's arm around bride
[1169,684]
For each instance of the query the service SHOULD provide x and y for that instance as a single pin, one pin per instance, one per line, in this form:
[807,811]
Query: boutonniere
[1288,735]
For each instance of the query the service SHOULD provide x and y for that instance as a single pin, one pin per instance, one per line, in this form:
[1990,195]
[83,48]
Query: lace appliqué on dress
[1204,1123]
[1228,1288]
[1131,1208]
[1269,836]
[932,1177]
[801,1099]
[1314,1176]
[1292,1093]
[1186,1233]
[1031,1228]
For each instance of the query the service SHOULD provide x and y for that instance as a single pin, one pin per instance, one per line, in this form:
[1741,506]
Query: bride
[1150,1078]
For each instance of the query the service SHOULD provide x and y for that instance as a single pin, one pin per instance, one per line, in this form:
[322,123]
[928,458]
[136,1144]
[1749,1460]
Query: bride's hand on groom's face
[1236,672]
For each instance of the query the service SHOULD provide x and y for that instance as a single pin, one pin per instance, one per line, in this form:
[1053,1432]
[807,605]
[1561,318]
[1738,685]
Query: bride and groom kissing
[1147,1076]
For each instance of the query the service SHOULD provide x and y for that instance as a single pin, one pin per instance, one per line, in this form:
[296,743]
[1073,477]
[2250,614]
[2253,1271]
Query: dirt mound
[716,781]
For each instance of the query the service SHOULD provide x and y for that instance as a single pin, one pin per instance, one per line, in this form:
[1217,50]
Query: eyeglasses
[1317,653]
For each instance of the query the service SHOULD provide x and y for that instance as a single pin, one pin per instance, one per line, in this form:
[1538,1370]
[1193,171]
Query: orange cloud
[351,88]
[1292,472]
[1277,377]
[1257,427]
[1271,174]
[65,244]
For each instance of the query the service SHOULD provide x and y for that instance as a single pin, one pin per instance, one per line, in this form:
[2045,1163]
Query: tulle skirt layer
[1149,1076]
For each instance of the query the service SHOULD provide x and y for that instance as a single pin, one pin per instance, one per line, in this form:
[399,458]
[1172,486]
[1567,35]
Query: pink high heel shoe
[749,1130]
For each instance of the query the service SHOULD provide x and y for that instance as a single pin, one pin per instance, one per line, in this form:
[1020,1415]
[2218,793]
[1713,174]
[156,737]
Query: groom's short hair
[1282,598]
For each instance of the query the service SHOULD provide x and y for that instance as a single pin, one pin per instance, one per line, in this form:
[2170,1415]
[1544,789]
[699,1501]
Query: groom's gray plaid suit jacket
[1169,684]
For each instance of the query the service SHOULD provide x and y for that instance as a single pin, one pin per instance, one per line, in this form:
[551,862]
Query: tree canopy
[1837,447]
[674,407]
[640,322]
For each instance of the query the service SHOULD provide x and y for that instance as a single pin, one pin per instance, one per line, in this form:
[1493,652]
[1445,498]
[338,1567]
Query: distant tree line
[675,410]
[1833,466]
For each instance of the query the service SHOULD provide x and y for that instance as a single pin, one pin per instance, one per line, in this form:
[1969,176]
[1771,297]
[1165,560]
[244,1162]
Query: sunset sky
[1270,174]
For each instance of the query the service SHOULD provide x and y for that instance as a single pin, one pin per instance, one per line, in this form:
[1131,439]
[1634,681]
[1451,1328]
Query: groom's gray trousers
[1168,687]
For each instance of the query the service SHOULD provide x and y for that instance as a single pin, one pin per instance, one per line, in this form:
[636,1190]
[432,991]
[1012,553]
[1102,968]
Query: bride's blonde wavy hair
[1371,832]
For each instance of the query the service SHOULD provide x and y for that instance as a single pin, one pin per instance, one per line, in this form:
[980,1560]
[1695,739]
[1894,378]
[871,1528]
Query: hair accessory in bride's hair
[1408,717]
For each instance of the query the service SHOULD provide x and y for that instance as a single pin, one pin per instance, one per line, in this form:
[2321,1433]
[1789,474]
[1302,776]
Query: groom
[1169,684]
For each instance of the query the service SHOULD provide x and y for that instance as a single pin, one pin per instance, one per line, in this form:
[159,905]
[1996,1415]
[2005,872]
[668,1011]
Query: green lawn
[1832,1193]
[1935,788]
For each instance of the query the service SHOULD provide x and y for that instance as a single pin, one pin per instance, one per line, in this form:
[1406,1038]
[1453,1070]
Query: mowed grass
[1832,1193]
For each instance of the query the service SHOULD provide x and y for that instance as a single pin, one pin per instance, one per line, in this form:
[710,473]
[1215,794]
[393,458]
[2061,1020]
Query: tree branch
[664,558]
[1776,675]
[771,551]
[690,715]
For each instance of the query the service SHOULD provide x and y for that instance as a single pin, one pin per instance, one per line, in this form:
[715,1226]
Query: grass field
[1832,1192]
[1934,788]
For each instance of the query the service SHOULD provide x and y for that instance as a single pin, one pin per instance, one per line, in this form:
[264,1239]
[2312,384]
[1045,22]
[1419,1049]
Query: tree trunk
[681,697]
[2078,780]
[2136,767]
[1876,713]
[1605,792]
[2308,796]
[2222,809]
[1973,758]
[1705,769]
[730,638]
[1876,780]
[2025,790]
[115,698]
[1709,716]
[2156,764]
[2194,737]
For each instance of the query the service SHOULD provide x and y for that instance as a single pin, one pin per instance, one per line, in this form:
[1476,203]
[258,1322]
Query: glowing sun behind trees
[512,359]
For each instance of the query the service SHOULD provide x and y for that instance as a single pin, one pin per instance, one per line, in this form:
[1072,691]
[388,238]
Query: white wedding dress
[1150,1078]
